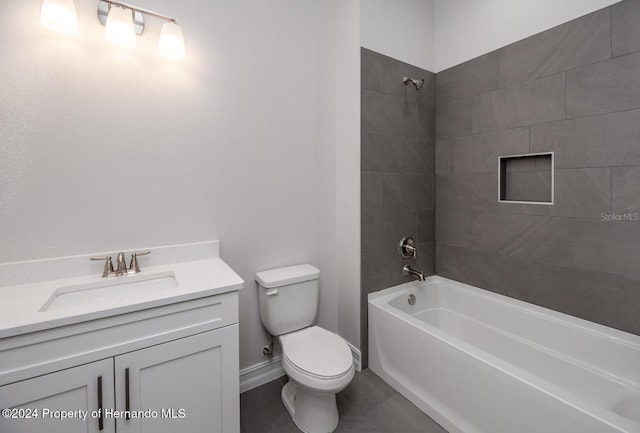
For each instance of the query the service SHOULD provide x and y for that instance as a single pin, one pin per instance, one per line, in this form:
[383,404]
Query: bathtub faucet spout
[407,270]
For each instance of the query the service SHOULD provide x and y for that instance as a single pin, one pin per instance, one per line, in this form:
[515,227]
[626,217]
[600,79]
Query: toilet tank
[288,298]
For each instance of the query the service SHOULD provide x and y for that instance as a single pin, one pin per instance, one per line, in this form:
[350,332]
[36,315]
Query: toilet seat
[317,358]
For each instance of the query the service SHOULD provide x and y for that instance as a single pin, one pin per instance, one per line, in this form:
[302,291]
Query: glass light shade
[119,28]
[171,43]
[59,16]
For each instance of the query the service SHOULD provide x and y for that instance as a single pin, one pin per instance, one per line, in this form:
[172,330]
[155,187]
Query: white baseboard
[261,373]
[271,369]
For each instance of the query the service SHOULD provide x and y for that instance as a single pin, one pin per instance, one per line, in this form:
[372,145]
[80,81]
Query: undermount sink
[112,290]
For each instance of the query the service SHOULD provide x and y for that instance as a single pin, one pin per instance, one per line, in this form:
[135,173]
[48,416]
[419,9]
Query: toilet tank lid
[289,275]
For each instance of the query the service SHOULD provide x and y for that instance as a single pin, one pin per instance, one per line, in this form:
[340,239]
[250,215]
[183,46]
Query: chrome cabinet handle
[100,408]
[127,401]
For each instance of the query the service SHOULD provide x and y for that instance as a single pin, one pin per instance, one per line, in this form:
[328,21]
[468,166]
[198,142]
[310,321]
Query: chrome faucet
[407,270]
[121,264]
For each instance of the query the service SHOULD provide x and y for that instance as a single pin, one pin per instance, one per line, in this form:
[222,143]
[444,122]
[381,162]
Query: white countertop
[21,303]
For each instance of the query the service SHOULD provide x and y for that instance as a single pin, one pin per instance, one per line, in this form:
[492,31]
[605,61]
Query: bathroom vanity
[153,351]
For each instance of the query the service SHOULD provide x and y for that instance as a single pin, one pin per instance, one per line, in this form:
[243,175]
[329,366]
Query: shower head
[417,83]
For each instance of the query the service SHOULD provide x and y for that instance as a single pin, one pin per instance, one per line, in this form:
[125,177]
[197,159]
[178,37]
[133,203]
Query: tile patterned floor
[368,404]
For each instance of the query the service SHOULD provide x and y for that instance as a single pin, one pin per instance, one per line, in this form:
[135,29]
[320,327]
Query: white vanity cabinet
[172,368]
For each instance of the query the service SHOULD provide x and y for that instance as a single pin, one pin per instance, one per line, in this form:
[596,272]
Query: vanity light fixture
[59,16]
[119,27]
[122,23]
[171,42]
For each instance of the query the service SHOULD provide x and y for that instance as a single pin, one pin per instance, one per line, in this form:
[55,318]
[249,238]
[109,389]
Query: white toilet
[318,362]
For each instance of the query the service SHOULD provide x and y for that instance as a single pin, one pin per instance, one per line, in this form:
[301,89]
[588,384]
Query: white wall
[402,29]
[465,29]
[348,168]
[102,150]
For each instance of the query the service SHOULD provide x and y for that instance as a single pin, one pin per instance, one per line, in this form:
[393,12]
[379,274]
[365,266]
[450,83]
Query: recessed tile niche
[526,178]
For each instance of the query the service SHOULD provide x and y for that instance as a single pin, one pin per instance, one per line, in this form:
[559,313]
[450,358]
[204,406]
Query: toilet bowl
[318,362]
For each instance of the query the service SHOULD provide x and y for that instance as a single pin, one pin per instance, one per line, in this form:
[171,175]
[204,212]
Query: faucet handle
[407,248]
[133,266]
[108,265]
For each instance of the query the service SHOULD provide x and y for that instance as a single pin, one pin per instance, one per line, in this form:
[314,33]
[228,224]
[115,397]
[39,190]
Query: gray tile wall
[398,173]
[573,90]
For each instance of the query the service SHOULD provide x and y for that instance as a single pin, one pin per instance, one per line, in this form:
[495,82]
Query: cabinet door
[77,393]
[186,385]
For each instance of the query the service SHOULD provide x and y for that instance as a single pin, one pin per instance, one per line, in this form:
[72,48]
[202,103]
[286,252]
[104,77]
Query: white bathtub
[479,362]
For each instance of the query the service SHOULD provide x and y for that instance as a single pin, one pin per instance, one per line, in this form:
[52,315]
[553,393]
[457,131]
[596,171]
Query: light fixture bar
[141,10]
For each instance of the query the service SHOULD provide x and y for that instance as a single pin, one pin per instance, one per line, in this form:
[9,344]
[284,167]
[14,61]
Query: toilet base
[311,412]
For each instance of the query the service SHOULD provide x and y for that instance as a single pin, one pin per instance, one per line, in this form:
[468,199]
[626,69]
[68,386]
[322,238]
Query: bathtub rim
[383,296]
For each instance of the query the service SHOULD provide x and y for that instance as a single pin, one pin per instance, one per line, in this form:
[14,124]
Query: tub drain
[411,300]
